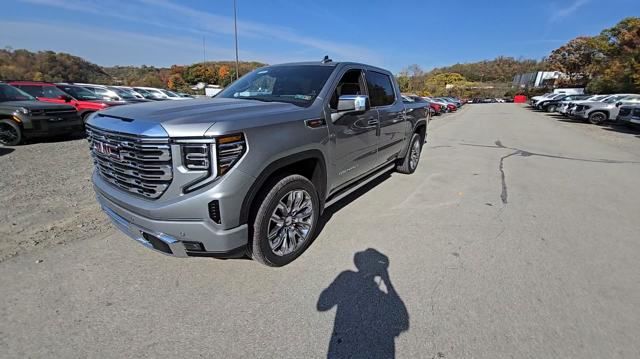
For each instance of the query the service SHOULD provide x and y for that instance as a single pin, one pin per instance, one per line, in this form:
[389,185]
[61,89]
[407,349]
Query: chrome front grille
[138,165]
[58,112]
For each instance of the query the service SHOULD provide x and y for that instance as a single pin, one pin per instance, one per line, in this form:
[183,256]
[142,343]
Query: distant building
[537,79]
[209,90]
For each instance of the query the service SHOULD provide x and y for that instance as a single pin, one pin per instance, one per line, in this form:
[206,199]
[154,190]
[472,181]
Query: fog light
[193,246]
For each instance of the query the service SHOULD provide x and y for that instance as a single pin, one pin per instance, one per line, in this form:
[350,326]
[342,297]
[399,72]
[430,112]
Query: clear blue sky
[391,34]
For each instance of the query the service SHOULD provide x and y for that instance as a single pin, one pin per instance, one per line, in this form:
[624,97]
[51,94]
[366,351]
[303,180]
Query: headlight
[211,157]
[24,110]
[587,107]
[229,149]
[196,157]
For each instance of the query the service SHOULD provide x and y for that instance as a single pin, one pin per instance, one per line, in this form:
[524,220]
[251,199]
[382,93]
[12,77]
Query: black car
[552,105]
[22,117]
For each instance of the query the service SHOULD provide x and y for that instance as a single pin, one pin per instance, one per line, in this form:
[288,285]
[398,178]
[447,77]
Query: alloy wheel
[8,134]
[597,118]
[414,156]
[291,222]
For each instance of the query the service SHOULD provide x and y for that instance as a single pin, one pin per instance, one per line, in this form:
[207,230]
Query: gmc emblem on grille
[106,149]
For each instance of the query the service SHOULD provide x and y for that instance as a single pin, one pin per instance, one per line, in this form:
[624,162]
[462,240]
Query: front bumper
[169,236]
[628,119]
[582,115]
[43,126]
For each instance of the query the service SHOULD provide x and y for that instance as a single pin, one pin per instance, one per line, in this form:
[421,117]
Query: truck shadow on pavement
[369,312]
[5,151]
[330,211]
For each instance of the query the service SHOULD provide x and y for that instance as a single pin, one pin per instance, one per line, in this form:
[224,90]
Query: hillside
[48,66]
[59,67]
[500,69]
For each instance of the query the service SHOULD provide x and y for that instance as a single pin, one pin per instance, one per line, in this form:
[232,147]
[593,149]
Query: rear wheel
[10,133]
[285,222]
[410,161]
[551,108]
[597,118]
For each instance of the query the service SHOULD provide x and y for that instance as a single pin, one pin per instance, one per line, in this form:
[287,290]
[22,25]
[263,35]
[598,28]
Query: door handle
[373,122]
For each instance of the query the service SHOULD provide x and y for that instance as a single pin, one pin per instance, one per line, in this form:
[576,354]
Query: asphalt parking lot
[516,237]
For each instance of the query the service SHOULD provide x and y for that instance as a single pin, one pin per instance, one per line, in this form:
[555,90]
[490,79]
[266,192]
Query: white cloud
[104,46]
[564,12]
[168,15]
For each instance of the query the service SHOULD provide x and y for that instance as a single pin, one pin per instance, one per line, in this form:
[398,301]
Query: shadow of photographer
[369,312]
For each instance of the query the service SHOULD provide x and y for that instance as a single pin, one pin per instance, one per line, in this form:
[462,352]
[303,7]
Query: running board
[359,185]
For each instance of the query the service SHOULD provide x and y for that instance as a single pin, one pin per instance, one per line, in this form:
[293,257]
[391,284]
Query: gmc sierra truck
[250,171]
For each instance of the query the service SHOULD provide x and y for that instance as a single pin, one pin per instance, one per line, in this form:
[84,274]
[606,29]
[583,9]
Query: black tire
[260,247]
[551,108]
[10,133]
[597,117]
[406,165]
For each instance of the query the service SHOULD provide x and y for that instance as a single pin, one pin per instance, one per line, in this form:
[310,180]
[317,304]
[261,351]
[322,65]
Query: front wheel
[597,118]
[10,133]
[551,108]
[285,222]
[410,161]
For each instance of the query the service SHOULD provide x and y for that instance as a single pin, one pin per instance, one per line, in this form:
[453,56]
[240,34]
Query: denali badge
[106,149]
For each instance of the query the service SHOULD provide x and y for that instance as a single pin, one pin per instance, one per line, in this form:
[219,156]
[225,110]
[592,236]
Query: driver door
[355,140]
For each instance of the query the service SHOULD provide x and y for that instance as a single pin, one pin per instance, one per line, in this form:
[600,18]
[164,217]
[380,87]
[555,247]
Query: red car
[436,108]
[84,102]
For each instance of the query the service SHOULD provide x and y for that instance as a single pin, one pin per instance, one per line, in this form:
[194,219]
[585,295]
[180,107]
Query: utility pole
[204,51]
[235,26]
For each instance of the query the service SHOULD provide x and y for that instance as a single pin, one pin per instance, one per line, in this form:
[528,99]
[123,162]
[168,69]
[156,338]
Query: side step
[348,191]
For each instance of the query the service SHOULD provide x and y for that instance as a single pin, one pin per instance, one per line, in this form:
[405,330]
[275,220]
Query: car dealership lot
[516,237]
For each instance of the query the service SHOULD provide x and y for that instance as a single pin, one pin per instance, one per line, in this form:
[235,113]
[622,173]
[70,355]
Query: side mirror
[618,103]
[353,103]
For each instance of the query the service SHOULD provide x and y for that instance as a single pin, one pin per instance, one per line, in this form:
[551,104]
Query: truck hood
[34,105]
[193,117]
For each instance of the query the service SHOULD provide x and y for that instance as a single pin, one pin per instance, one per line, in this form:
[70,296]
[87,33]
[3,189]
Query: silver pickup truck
[250,171]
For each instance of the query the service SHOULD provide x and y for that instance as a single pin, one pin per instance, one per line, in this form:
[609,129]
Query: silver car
[598,112]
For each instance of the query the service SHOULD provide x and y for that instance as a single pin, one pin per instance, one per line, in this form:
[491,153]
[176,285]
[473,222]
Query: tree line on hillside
[62,67]
[48,66]
[606,63]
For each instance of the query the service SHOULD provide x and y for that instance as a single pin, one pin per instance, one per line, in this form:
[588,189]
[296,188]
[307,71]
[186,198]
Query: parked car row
[22,108]
[490,100]
[437,105]
[596,109]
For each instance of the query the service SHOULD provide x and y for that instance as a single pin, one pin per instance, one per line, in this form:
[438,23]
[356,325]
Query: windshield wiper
[257,98]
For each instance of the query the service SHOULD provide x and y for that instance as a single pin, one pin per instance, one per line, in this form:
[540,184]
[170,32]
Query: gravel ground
[46,196]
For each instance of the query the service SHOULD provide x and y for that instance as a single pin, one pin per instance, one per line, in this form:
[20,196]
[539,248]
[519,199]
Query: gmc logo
[106,149]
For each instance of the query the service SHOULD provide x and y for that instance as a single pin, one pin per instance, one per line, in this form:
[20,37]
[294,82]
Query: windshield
[79,93]
[10,93]
[156,93]
[296,84]
[123,93]
[612,99]
[169,93]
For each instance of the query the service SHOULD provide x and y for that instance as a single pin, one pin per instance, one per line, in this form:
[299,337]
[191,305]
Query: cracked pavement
[516,237]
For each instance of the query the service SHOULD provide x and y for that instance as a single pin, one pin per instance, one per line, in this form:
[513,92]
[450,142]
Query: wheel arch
[310,164]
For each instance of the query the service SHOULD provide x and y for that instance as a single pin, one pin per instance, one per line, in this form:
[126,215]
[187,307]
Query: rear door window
[52,92]
[380,88]
[33,90]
